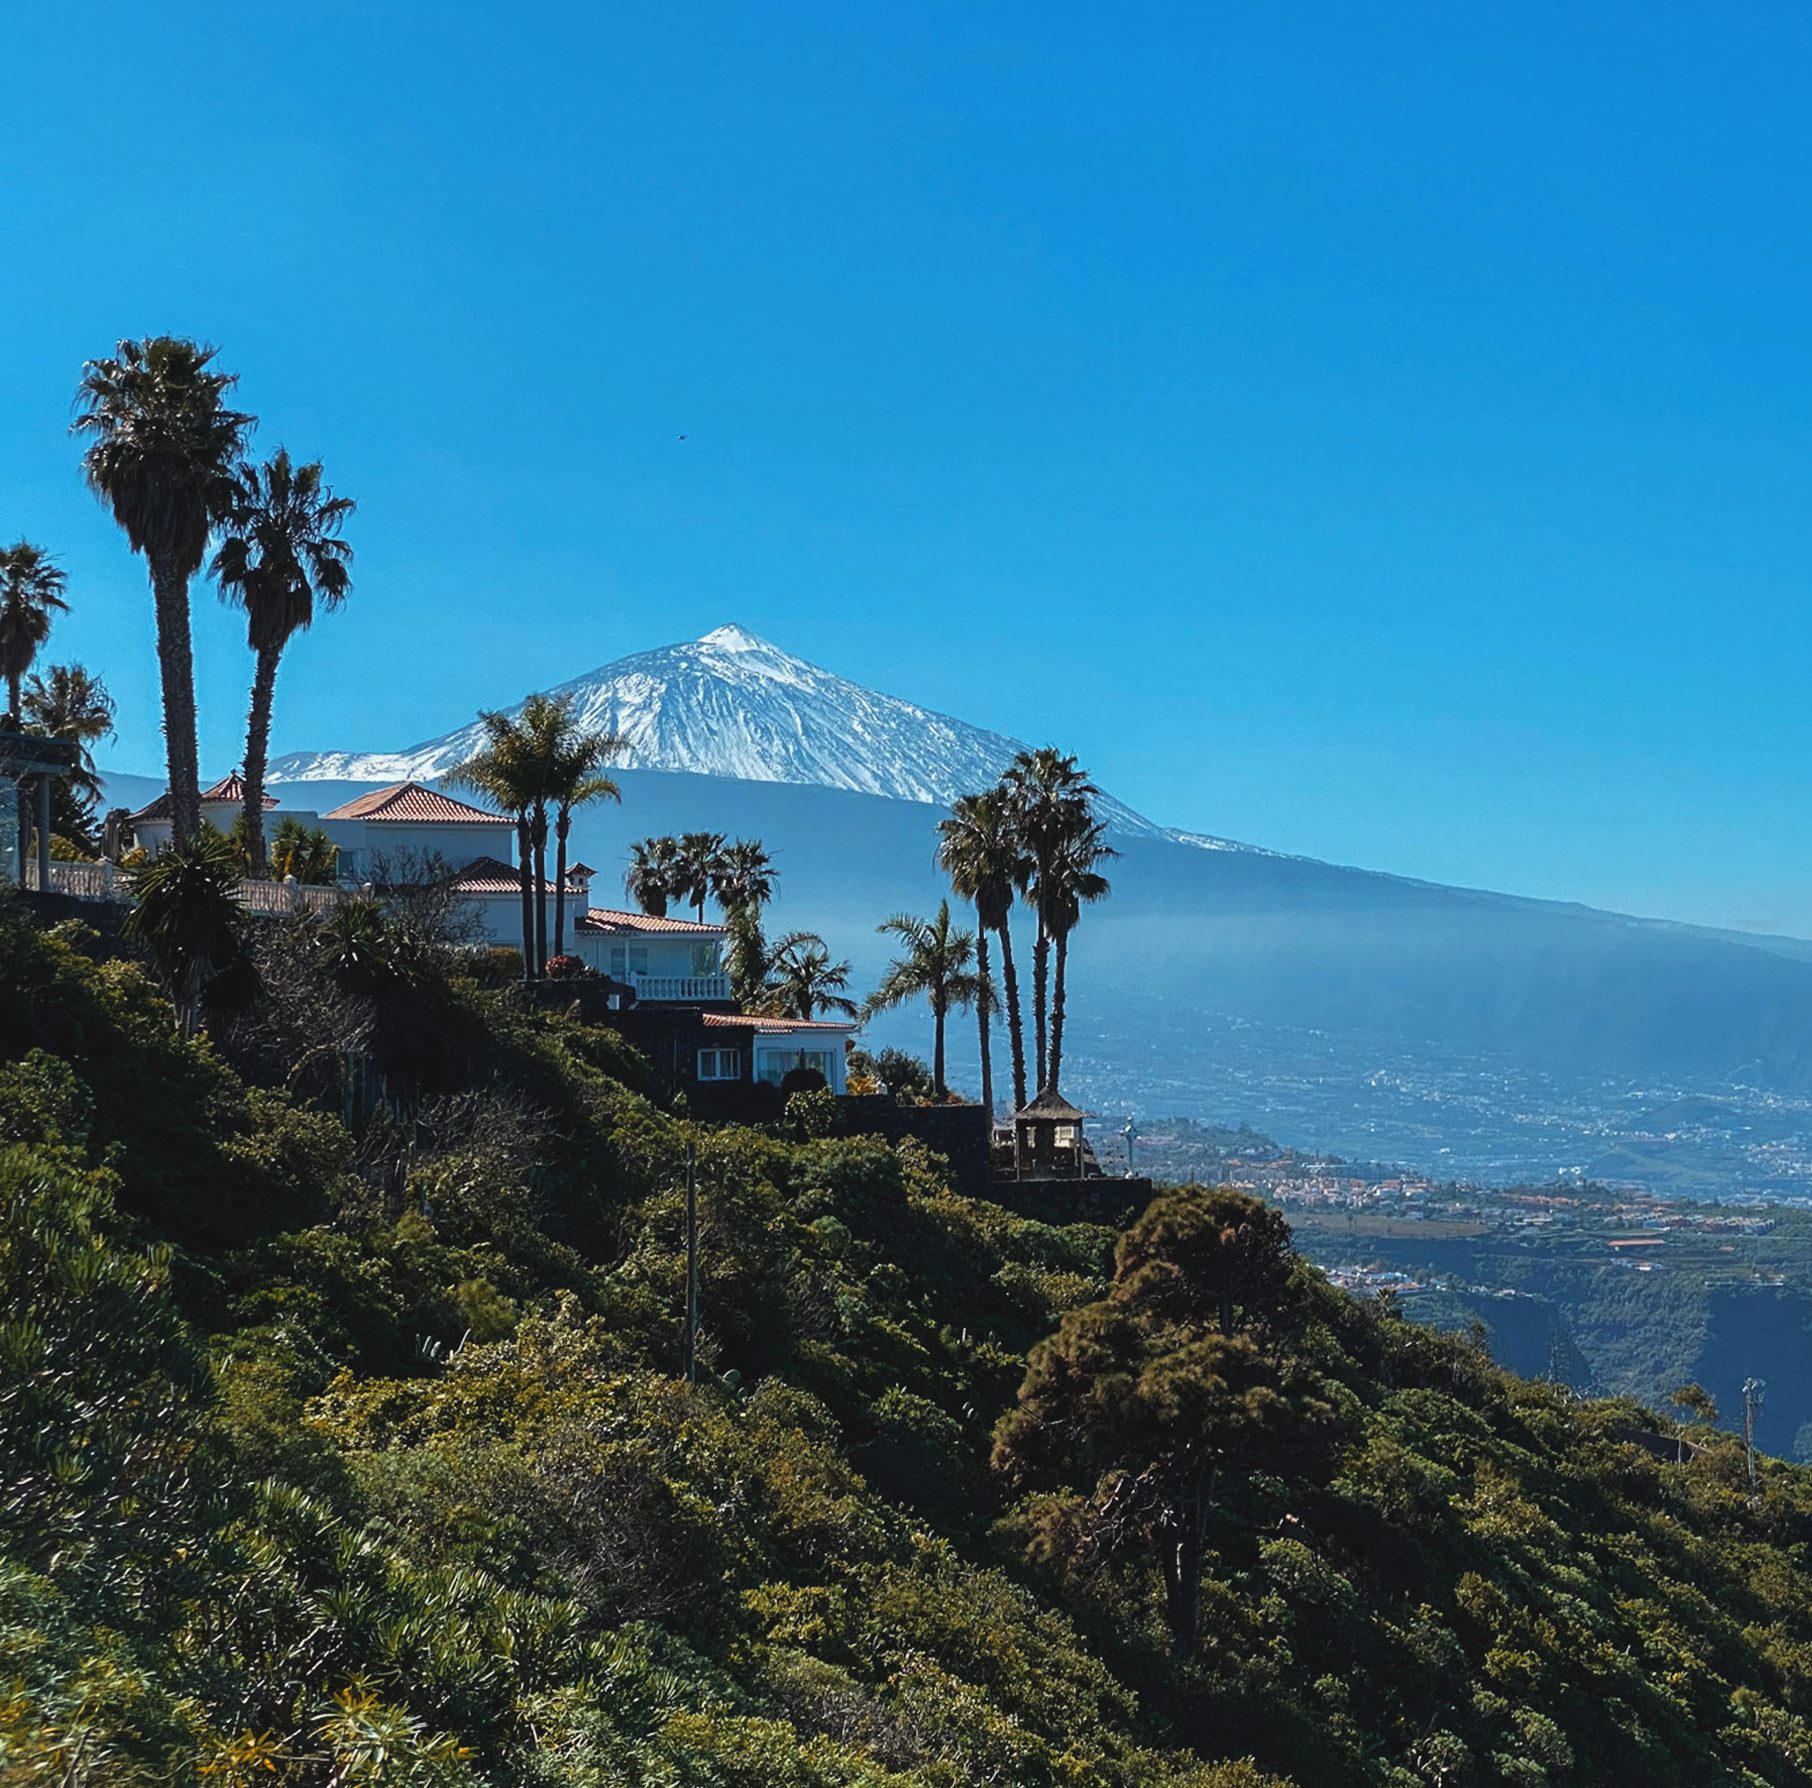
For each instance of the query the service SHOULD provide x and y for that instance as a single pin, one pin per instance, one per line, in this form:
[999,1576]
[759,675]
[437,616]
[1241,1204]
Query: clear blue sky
[1376,431]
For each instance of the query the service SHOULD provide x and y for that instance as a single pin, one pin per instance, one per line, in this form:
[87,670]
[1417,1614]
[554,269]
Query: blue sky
[1381,432]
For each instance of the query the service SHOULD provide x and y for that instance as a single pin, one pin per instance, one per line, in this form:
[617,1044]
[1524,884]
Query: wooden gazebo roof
[1052,1105]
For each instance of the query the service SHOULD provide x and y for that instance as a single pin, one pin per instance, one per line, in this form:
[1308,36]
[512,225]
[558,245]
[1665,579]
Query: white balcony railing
[102,881]
[681,987]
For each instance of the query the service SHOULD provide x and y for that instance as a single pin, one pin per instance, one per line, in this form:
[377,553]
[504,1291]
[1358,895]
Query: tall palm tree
[744,876]
[700,861]
[281,555]
[938,964]
[651,877]
[980,852]
[1049,796]
[1074,880]
[504,772]
[31,593]
[186,912]
[69,702]
[161,451]
[803,981]
[578,781]
[547,742]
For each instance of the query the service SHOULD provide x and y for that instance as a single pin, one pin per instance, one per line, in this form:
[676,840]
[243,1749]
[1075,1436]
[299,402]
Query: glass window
[776,1065]
[704,959]
[720,1064]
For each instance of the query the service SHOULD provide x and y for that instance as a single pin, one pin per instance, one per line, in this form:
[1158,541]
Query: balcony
[698,988]
[102,881]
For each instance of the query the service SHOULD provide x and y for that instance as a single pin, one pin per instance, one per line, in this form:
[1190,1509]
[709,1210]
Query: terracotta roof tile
[413,801]
[228,788]
[612,922]
[490,875]
[753,1021]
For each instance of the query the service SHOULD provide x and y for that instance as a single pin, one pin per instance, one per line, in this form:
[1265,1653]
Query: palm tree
[745,876]
[700,861]
[504,771]
[980,852]
[650,880]
[1074,881]
[281,555]
[161,454]
[69,702]
[186,912]
[1050,796]
[578,781]
[31,592]
[938,964]
[803,981]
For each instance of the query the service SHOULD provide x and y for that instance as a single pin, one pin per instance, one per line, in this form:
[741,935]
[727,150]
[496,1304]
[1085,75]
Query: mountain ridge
[733,704]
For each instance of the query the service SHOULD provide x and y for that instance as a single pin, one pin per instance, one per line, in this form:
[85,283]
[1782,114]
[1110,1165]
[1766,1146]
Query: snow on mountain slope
[730,704]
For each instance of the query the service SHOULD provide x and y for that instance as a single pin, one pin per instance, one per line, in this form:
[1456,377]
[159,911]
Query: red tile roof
[489,875]
[228,788]
[412,801]
[612,922]
[753,1021]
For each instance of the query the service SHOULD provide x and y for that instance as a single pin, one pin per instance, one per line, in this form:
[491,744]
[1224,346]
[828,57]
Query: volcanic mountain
[730,704]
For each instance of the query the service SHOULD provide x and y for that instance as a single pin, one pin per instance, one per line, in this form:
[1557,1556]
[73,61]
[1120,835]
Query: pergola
[25,758]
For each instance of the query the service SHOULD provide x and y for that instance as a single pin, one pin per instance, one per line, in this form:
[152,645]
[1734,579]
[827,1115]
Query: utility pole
[691,1263]
[1752,1407]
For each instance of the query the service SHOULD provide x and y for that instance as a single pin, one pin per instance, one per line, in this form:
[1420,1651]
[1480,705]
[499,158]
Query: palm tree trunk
[176,668]
[540,889]
[981,1020]
[1041,981]
[1057,992]
[257,752]
[1015,1028]
[937,1050]
[23,795]
[563,822]
[525,869]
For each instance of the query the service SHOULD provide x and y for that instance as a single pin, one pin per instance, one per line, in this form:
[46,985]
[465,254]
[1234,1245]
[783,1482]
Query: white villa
[670,963]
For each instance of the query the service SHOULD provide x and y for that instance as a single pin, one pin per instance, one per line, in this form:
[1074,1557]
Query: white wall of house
[366,845]
[649,954]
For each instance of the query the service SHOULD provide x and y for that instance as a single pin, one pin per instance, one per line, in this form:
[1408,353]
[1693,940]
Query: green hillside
[344,1439]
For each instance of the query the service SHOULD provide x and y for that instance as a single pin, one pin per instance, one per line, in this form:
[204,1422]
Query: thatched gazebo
[1048,1141]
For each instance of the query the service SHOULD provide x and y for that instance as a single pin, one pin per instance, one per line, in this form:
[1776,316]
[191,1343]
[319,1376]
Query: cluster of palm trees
[541,765]
[65,701]
[793,976]
[697,867]
[166,453]
[1035,839]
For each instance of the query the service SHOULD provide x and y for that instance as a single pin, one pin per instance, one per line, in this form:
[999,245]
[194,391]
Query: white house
[408,823]
[221,806]
[742,1046]
[662,959]
[493,889]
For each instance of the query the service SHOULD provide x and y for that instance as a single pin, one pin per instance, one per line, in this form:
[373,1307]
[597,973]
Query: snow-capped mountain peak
[733,704]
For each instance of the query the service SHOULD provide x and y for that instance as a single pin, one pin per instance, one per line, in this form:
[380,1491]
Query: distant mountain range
[1387,1018]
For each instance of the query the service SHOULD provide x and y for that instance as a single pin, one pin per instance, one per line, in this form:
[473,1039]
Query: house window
[720,1064]
[627,961]
[704,959]
[777,1065]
